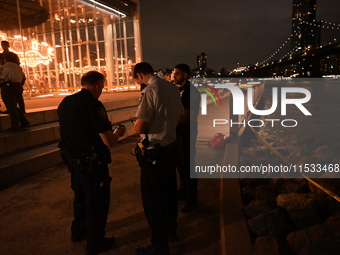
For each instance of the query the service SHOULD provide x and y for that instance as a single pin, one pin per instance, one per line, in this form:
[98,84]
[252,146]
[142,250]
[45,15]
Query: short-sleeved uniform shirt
[82,117]
[161,107]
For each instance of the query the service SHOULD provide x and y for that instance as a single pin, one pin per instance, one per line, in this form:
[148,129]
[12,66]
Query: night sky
[228,31]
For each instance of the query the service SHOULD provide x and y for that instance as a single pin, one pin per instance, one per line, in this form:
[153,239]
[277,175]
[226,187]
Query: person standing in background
[160,73]
[186,137]
[5,46]
[12,79]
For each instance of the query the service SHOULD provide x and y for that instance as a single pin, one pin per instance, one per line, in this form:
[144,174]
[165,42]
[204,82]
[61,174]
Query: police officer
[86,135]
[186,137]
[158,115]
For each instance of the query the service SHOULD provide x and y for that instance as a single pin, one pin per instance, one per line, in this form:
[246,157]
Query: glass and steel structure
[73,37]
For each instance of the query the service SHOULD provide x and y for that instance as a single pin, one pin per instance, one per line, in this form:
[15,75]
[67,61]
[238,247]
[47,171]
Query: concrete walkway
[35,215]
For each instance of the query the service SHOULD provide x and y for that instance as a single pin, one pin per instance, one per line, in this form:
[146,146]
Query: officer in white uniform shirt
[158,115]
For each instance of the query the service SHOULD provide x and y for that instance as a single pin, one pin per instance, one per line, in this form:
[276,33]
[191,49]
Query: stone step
[18,166]
[35,116]
[43,115]
[25,163]
[42,134]
[35,148]
[30,137]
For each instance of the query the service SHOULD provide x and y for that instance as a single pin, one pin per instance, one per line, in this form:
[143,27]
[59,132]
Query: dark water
[322,128]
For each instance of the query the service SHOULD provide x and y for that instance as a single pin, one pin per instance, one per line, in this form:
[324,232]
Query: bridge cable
[328,25]
[277,51]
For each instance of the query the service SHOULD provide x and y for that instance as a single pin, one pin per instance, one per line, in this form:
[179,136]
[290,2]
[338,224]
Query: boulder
[256,207]
[333,225]
[324,152]
[297,201]
[304,209]
[266,194]
[315,240]
[305,218]
[275,223]
[266,245]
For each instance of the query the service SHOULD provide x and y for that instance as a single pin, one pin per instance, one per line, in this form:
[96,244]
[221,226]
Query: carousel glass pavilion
[59,40]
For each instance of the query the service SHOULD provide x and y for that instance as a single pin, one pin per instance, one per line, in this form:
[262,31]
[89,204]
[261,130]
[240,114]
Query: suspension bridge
[322,58]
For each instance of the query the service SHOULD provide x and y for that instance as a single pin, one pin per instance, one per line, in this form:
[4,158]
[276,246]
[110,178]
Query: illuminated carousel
[59,40]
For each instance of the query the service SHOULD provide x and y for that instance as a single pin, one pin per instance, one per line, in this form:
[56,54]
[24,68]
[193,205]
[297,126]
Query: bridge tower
[304,35]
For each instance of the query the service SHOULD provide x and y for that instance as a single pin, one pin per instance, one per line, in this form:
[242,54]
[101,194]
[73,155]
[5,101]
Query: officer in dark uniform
[186,137]
[86,135]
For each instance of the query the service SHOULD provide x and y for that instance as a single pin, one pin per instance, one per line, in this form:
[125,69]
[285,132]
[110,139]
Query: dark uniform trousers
[91,201]
[185,152]
[158,186]
[11,97]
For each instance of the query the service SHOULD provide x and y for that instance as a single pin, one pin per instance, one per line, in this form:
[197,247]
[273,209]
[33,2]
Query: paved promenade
[35,214]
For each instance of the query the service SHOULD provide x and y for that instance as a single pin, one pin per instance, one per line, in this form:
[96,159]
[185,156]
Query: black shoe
[189,206]
[26,124]
[11,129]
[149,250]
[104,245]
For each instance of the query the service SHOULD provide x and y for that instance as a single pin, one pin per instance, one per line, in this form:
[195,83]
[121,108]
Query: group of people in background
[12,79]
[168,76]
[167,124]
